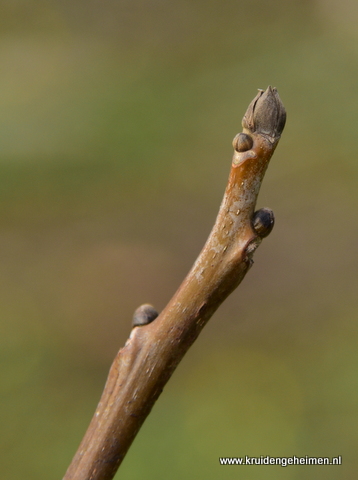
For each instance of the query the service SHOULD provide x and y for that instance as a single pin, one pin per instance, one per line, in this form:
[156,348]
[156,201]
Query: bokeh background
[116,121]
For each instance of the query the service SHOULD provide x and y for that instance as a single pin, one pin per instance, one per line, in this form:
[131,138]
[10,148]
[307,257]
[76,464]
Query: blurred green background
[115,146]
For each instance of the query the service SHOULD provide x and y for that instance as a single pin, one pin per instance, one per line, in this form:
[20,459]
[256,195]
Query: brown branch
[154,349]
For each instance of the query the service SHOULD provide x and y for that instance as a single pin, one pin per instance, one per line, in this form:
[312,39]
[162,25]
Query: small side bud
[266,115]
[143,315]
[263,222]
[242,142]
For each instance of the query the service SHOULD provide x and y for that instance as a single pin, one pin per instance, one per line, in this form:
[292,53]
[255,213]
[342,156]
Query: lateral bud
[143,315]
[263,222]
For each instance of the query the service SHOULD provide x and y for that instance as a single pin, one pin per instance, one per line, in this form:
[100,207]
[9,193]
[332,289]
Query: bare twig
[154,349]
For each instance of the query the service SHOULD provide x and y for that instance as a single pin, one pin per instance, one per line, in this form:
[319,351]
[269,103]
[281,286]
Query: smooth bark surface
[152,352]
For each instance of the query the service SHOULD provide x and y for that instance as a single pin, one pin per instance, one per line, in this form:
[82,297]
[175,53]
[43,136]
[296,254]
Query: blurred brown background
[115,147]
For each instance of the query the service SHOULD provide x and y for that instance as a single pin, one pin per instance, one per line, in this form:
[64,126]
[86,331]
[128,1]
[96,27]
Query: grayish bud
[266,115]
[143,315]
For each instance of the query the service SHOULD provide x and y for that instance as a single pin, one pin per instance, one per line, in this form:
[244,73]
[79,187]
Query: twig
[154,349]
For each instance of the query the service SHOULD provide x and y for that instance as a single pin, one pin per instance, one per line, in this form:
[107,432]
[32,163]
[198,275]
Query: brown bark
[152,352]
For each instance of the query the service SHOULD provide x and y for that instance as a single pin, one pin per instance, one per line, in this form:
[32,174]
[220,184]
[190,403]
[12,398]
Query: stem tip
[266,115]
